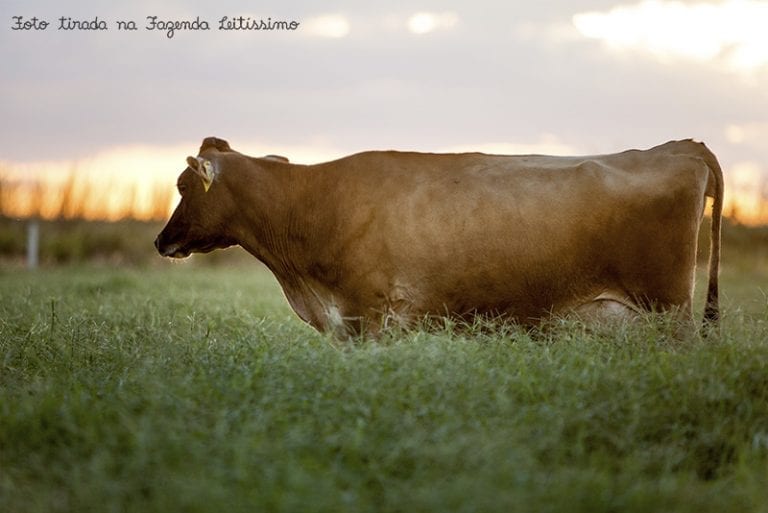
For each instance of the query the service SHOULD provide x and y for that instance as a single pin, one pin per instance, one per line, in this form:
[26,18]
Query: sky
[502,76]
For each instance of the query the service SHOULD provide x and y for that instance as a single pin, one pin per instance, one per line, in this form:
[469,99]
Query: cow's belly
[590,288]
[608,306]
[404,304]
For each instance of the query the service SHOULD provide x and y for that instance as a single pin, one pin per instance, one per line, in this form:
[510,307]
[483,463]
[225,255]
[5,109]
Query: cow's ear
[204,169]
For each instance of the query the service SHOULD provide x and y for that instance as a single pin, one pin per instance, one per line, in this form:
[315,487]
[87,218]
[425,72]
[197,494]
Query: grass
[189,388]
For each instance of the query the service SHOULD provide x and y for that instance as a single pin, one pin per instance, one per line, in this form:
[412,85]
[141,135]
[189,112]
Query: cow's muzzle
[170,250]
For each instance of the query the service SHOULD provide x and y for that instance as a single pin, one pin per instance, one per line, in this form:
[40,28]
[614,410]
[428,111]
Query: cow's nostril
[157,243]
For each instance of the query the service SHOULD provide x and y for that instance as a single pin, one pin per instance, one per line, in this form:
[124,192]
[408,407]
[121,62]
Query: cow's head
[201,221]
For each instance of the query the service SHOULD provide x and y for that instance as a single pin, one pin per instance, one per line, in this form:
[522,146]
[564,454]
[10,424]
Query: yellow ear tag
[207,174]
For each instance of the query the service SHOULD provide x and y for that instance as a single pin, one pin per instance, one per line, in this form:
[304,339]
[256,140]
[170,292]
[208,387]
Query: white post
[33,243]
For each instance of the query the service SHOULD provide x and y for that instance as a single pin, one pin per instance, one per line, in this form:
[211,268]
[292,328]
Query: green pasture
[194,388]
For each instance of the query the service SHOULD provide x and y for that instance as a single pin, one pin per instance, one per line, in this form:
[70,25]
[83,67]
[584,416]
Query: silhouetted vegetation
[77,198]
[738,241]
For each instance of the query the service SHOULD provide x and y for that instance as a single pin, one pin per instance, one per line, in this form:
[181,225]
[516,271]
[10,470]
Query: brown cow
[386,237]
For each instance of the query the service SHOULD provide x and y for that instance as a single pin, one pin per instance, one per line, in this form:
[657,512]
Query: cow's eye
[182,188]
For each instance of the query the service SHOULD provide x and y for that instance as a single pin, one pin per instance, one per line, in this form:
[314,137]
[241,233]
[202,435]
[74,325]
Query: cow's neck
[284,219]
[286,223]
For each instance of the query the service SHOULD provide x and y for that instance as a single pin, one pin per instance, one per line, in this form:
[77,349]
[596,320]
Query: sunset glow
[746,194]
[118,183]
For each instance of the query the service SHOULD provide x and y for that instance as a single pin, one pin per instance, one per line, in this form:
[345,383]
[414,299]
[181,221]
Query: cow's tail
[715,191]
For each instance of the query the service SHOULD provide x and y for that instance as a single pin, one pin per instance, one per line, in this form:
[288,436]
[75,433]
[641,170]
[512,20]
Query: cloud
[749,134]
[556,32]
[732,31]
[333,26]
[426,22]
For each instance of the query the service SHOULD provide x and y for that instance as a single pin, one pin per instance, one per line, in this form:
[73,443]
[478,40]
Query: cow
[386,238]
